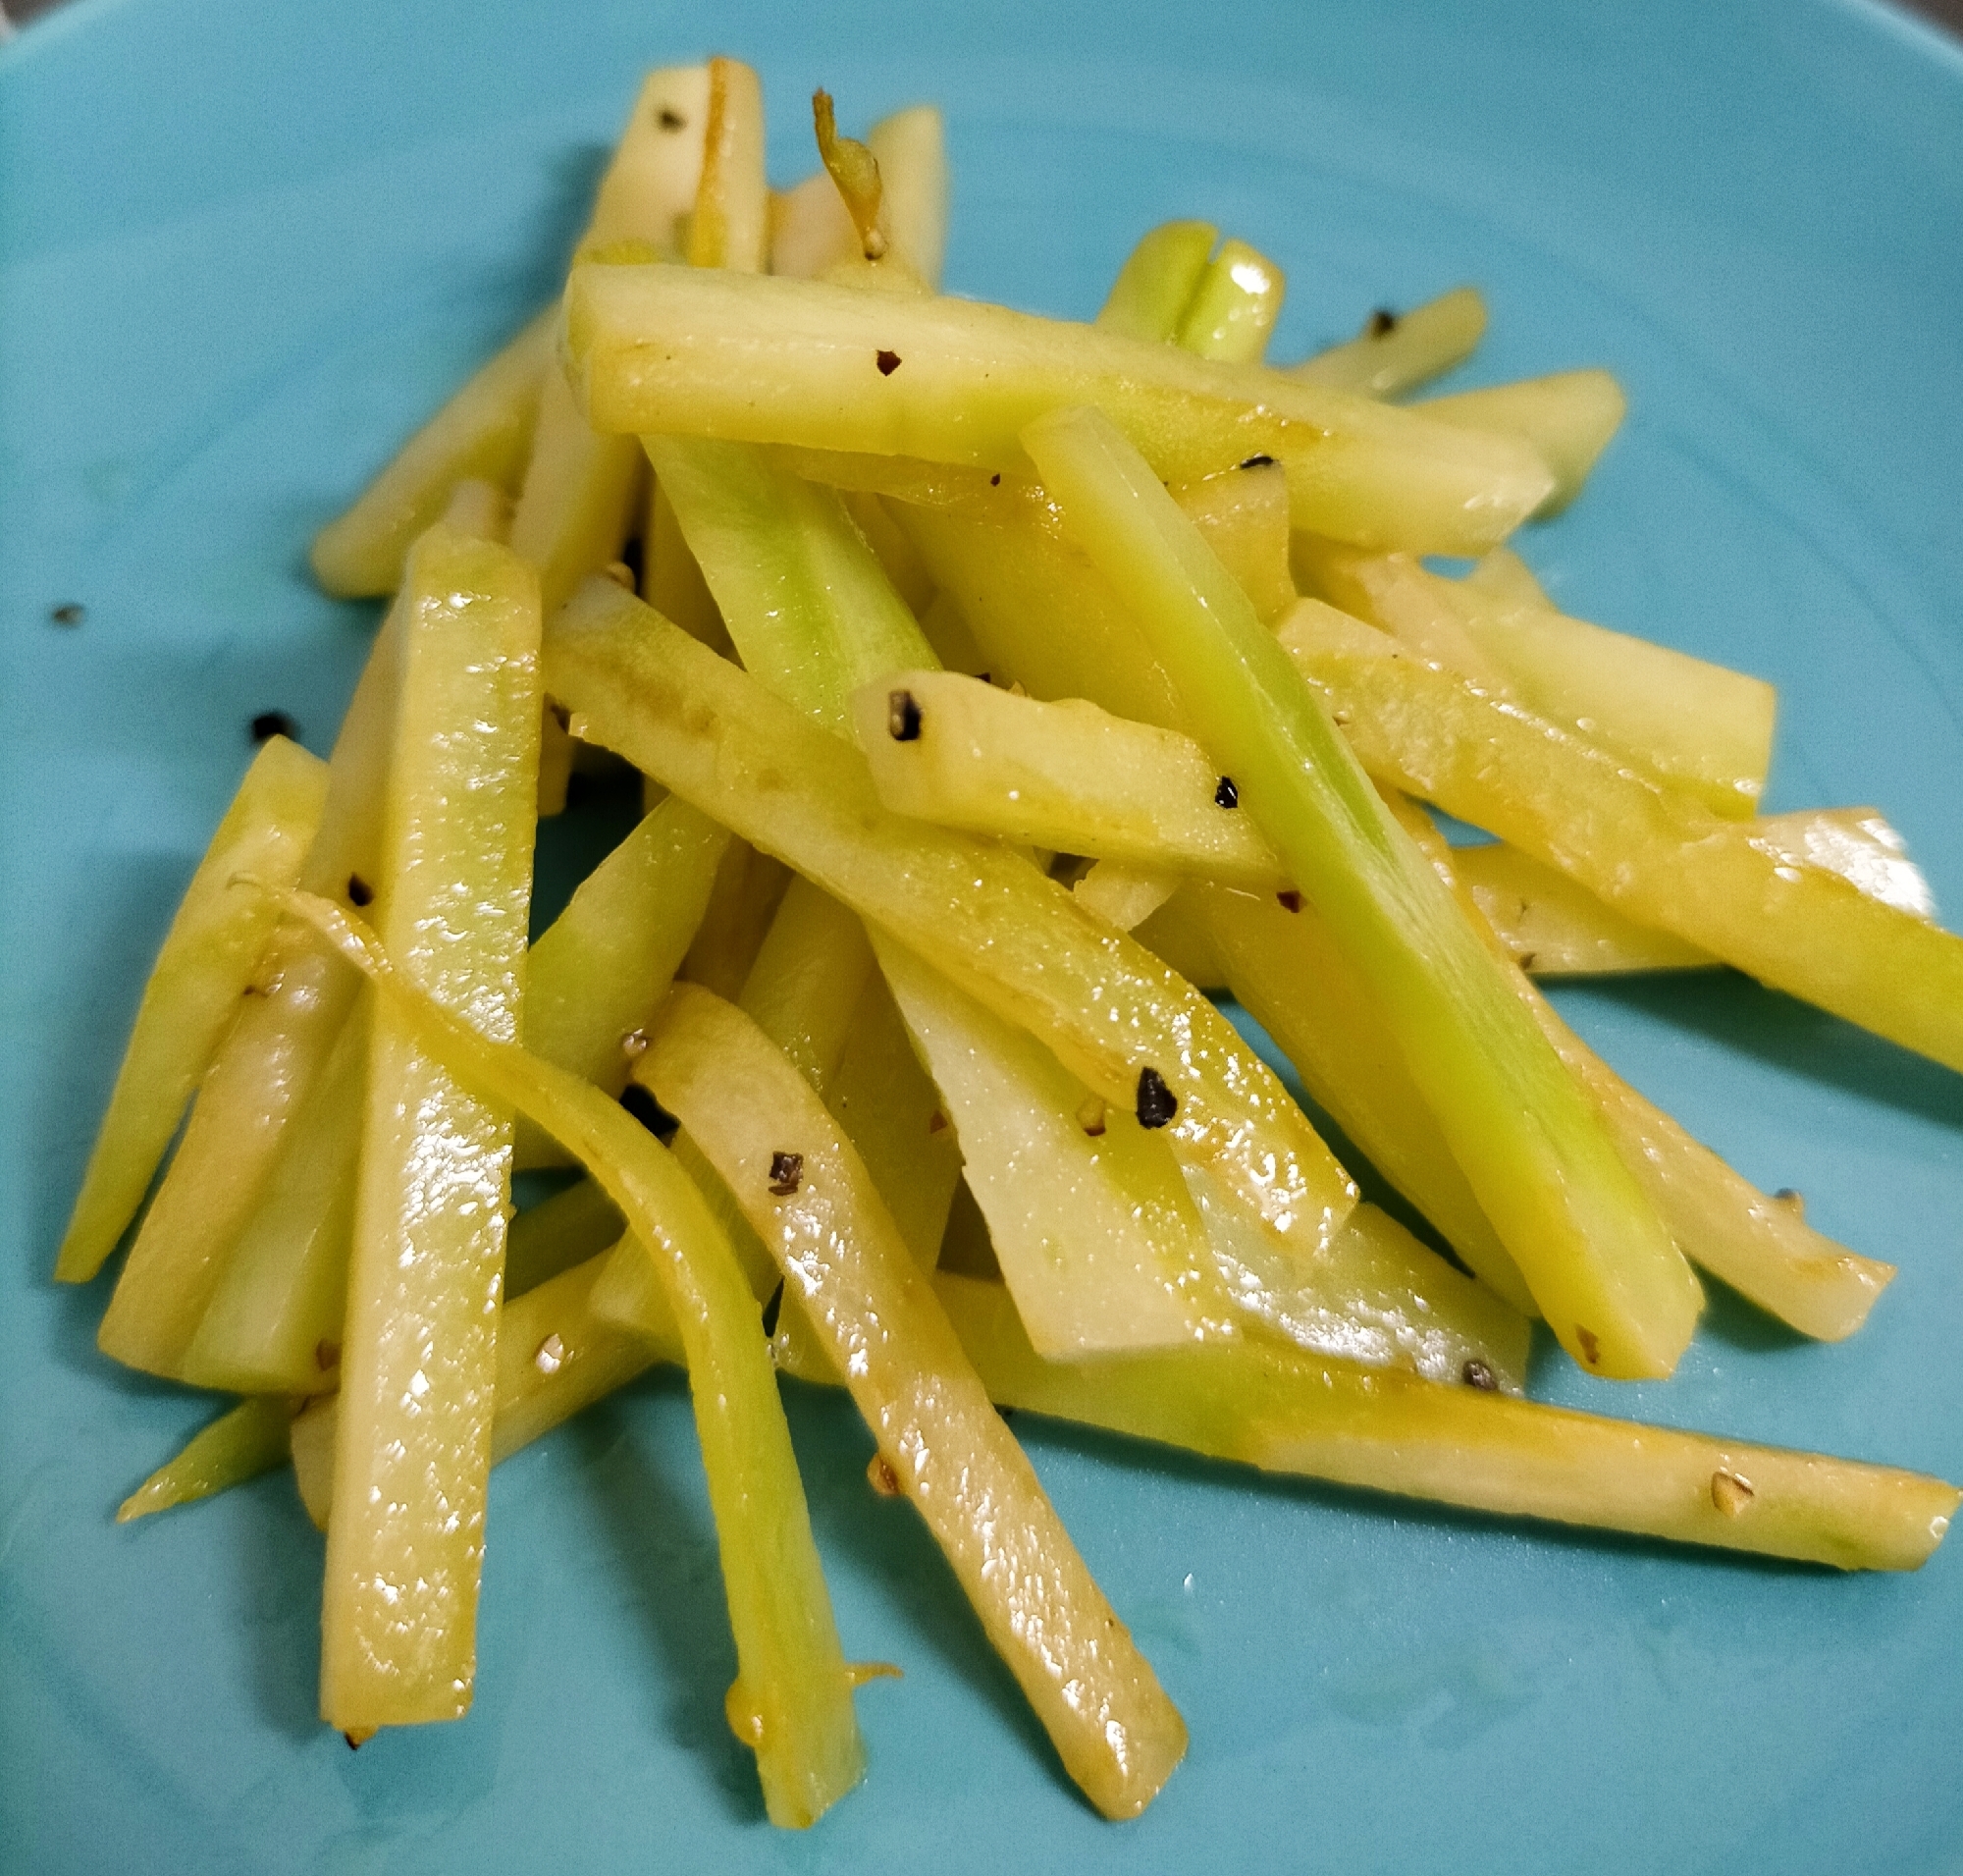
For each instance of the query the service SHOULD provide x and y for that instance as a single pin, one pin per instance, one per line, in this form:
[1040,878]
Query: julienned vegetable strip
[248,1439]
[1117,1017]
[1612,1287]
[792,1670]
[1740,890]
[1287,1412]
[808,1194]
[452,893]
[694,351]
[1398,351]
[204,969]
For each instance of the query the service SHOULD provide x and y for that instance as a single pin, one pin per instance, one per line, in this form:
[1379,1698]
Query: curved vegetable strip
[1569,418]
[1158,280]
[1736,888]
[484,433]
[755,1116]
[791,1667]
[699,351]
[252,1438]
[1612,1287]
[1287,1412]
[1103,1004]
[207,964]
[1234,307]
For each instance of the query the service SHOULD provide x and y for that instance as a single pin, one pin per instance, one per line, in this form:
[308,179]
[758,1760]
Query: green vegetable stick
[204,971]
[1740,890]
[807,1193]
[1287,1412]
[693,352]
[1612,1287]
[791,1668]
[1113,1014]
[452,893]
[1398,352]
[1158,280]
[250,1439]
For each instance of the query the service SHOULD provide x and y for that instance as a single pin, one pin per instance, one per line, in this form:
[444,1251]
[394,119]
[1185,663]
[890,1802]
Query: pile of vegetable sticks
[1004,691]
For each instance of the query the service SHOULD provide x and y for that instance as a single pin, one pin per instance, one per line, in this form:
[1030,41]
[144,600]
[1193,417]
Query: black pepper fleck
[1382,321]
[889,362]
[672,119]
[359,891]
[1591,1348]
[269,723]
[1290,901]
[1475,1373]
[649,1112]
[1226,796]
[995,480]
[786,1173]
[1259,462]
[67,613]
[1157,1101]
[903,716]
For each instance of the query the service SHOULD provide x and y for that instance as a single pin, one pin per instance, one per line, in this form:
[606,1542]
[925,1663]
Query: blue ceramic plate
[243,247]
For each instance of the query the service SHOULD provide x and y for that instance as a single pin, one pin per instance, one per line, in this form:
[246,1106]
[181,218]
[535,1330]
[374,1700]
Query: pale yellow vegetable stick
[1551,927]
[203,971]
[405,1547]
[267,1067]
[1234,307]
[730,227]
[708,353]
[580,490]
[807,1192]
[1569,418]
[1396,352]
[911,148]
[483,432]
[1244,513]
[1291,1413]
[792,1702]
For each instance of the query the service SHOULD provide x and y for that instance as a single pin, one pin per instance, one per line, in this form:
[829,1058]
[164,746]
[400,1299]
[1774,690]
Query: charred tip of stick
[903,716]
[786,1173]
[1157,1102]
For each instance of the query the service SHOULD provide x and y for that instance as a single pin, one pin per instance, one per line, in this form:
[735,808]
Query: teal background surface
[243,247]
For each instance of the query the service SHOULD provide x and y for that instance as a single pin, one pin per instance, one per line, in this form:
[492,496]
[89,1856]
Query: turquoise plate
[243,248]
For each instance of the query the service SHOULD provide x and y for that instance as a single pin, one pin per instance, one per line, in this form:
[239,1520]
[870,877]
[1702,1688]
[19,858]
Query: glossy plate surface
[243,247]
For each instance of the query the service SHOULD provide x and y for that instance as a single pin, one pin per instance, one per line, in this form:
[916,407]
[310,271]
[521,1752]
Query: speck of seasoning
[1591,1348]
[880,1475]
[550,1354]
[649,1112]
[937,1122]
[326,1355]
[995,480]
[671,119]
[786,1172]
[359,891]
[1382,321]
[1730,1493]
[67,613]
[1528,959]
[269,723]
[1226,796]
[1475,1373]
[1259,462]
[889,362]
[634,1044]
[1157,1103]
[1290,900]
[773,1306]
[903,716]
[1090,1114]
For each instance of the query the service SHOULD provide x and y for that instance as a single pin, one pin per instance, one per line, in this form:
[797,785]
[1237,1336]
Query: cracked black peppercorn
[903,716]
[1226,796]
[1157,1103]
[889,362]
[786,1172]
